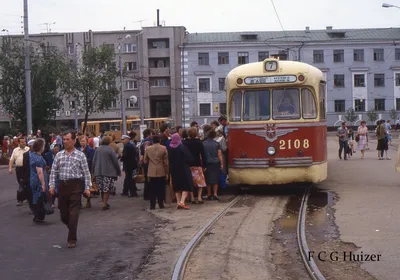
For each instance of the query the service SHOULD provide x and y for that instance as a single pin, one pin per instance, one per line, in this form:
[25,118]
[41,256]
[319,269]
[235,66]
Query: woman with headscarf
[179,167]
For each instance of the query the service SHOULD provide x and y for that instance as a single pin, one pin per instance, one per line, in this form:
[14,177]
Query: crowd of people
[61,168]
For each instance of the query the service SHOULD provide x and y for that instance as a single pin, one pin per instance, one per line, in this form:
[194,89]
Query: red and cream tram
[277,126]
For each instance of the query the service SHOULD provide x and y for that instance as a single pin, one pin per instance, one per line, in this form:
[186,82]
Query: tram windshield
[236,108]
[286,103]
[308,104]
[256,105]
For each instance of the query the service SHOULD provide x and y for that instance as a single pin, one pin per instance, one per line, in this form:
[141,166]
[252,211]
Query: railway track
[310,265]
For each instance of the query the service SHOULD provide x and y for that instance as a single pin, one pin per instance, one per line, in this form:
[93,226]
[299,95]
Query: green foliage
[350,116]
[93,82]
[49,73]
[393,114]
[372,115]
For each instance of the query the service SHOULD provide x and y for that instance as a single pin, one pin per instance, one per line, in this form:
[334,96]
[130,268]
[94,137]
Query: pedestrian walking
[343,134]
[130,163]
[362,133]
[70,166]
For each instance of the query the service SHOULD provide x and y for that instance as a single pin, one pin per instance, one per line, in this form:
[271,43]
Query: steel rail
[309,263]
[180,266]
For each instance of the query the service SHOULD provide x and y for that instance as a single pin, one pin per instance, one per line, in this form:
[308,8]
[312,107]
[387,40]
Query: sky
[198,16]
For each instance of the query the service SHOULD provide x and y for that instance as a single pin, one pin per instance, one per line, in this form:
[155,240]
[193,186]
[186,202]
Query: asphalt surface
[111,244]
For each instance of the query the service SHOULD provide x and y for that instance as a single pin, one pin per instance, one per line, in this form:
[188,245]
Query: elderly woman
[49,156]
[89,154]
[106,169]
[179,168]
[213,163]
[38,179]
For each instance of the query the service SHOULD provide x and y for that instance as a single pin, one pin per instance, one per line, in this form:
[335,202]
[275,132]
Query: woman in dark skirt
[179,167]
[213,163]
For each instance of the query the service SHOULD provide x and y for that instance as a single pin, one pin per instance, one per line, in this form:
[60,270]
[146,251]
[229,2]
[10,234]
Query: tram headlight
[271,150]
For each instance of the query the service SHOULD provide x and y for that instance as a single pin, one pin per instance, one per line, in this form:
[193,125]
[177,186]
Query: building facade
[362,67]
[151,57]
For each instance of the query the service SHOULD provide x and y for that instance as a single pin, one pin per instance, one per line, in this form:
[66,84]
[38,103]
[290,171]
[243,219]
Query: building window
[358,55]
[112,104]
[111,86]
[398,104]
[263,56]
[130,48]
[131,66]
[131,85]
[159,83]
[359,80]
[380,104]
[359,105]
[204,59]
[318,56]
[379,80]
[223,58]
[205,109]
[158,43]
[222,108]
[338,80]
[340,105]
[129,104]
[71,49]
[397,79]
[338,55]
[72,104]
[397,54]
[378,55]
[221,84]
[204,85]
[243,57]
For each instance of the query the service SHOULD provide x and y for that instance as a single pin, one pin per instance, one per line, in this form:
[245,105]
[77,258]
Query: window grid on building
[379,104]
[205,109]
[338,80]
[130,48]
[222,108]
[340,105]
[379,80]
[379,55]
[71,49]
[398,104]
[129,103]
[262,56]
[359,105]
[243,57]
[359,80]
[318,56]
[204,84]
[131,66]
[131,85]
[397,79]
[397,53]
[358,55]
[338,55]
[223,58]
[204,59]
[221,84]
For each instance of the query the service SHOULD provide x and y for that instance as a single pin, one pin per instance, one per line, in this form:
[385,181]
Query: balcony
[157,91]
[159,72]
[159,52]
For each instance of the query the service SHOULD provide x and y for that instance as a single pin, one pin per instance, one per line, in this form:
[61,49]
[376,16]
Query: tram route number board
[271,79]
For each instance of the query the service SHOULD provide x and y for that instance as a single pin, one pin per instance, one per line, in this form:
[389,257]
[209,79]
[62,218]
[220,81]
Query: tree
[372,115]
[94,80]
[49,72]
[393,114]
[351,116]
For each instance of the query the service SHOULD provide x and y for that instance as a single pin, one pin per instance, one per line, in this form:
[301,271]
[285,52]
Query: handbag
[357,138]
[48,210]
[139,178]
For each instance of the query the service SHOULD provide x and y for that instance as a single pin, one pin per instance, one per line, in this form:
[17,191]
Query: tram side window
[308,104]
[236,107]
[256,105]
[322,108]
[286,103]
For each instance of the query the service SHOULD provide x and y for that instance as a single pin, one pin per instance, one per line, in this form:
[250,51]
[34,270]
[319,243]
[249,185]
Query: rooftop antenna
[158,17]
[141,22]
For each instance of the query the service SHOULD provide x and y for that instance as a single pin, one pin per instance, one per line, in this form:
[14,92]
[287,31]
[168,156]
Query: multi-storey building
[152,60]
[362,67]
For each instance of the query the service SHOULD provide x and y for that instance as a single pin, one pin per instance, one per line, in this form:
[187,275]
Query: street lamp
[120,40]
[385,5]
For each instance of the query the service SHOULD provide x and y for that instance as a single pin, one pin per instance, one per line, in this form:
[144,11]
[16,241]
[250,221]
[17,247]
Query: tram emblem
[271,132]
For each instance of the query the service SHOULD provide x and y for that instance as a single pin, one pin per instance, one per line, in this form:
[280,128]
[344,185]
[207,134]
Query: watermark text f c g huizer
[346,256]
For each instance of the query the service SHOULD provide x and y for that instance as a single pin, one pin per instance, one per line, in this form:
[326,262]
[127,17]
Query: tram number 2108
[296,144]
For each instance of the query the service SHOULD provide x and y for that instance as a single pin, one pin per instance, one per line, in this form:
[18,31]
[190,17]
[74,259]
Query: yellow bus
[115,126]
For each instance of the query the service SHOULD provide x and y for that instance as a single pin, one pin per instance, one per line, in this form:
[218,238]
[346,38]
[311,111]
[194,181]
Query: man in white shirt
[96,141]
[17,158]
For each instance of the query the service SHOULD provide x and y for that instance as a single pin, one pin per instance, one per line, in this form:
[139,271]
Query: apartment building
[151,57]
[362,67]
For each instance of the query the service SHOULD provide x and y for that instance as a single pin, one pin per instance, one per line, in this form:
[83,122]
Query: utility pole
[122,95]
[27,71]
[141,105]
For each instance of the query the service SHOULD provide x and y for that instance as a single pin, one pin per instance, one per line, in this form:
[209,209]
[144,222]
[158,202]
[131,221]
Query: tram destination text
[345,256]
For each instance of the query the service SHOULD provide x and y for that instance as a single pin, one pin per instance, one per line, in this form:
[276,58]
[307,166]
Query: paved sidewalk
[368,205]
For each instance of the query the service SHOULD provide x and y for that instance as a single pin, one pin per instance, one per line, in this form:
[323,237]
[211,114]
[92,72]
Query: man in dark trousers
[129,160]
[26,175]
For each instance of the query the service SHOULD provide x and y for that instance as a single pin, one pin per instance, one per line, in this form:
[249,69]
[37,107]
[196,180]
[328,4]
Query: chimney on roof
[329,28]
[307,29]
[158,17]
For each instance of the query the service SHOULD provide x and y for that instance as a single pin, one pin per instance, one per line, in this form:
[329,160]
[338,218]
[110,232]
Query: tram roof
[308,35]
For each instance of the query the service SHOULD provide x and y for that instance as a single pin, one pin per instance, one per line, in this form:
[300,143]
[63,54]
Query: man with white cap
[129,159]
[17,158]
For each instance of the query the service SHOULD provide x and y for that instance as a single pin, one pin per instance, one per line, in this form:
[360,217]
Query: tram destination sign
[271,79]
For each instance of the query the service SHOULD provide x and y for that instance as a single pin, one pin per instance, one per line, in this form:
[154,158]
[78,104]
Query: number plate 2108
[294,144]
